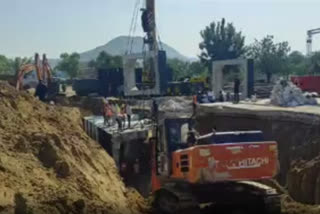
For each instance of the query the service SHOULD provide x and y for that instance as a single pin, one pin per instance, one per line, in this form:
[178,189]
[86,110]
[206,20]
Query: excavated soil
[291,207]
[49,165]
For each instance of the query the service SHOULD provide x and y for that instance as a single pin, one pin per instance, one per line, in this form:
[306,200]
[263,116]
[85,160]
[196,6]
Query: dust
[49,165]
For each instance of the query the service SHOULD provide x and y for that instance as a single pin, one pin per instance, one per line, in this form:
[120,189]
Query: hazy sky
[56,26]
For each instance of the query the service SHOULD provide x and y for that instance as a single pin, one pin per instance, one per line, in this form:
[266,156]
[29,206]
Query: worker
[211,96]
[129,113]
[107,113]
[118,116]
[199,96]
[41,91]
[191,139]
[236,90]
[221,96]
[154,109]
[123,114]
[64,87]
[114,112]
[228,96]
[204,96]
[194,105]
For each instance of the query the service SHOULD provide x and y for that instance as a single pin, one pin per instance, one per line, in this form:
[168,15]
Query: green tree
[297,63]
[221,41]
[271,58]
[5,66]
[69,64]
[17,62]
[106,61]
[182,69]
[198,69]
[314,63]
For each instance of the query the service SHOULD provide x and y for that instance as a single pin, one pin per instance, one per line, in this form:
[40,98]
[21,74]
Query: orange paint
[223,162]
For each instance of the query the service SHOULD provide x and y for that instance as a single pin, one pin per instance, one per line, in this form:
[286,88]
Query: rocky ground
[49,165]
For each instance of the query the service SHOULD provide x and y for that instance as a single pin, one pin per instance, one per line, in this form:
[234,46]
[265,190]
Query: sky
[57,26]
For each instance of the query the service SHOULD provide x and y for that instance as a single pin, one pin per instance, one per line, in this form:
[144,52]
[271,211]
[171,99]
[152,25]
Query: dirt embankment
[49,165]
[87,105]
[298,138]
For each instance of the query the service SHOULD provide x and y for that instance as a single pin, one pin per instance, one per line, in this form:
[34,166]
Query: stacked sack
[287,94]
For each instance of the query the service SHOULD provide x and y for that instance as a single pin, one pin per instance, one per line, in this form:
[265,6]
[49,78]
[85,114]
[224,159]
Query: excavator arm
[43,73]
[25,69]
[47,71]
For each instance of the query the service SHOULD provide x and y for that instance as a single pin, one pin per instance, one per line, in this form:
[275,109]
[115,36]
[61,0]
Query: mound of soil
[291,207]
[304,181]
[49,165]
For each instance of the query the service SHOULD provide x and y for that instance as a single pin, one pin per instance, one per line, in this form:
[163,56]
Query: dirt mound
[304,181]
[49,165]
[291,207]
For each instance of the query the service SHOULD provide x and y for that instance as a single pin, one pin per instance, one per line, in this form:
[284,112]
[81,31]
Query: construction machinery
[47,86]
[222,169]
[310,33]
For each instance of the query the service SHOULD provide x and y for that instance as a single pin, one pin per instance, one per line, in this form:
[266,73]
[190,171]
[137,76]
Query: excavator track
[186,199]
[174,201]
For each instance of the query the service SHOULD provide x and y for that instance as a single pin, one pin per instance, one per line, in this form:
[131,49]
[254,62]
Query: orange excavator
[46,88]
[224,170]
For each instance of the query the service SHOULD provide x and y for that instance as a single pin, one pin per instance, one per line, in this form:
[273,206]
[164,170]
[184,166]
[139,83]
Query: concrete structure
[129,72]
[129,147]
[246,67]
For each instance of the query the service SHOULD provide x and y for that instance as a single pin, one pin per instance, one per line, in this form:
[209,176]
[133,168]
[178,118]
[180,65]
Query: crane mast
[152,34]
[310,33]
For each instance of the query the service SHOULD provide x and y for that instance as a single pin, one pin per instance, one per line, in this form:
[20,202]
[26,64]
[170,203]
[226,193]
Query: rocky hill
[119,46]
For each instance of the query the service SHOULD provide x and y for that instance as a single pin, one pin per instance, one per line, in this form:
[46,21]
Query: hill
[119,46]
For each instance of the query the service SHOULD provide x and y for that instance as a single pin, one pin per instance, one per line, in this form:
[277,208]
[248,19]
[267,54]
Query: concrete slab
[261,108]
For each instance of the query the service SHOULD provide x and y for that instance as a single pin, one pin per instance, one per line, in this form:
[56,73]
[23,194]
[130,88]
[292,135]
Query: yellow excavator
[47,88]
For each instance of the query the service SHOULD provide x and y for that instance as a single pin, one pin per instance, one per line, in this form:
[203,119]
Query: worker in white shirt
[129,113]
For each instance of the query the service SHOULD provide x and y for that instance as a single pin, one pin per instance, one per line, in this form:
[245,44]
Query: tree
[198,69]
[106,61]
[17,62]
[4,65]
[297,63]
[182,69]
[314,63]
[221,41]
[69,64]
[296,57]
[271,58]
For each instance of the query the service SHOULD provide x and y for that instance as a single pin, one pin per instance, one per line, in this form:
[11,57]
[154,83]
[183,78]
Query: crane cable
[136,15]
[133,26]
[160,42]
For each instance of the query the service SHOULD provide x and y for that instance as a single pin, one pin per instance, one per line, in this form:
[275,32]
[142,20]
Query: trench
[297,136]
[129,150]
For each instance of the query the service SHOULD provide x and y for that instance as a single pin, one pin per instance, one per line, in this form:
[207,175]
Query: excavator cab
[221,168]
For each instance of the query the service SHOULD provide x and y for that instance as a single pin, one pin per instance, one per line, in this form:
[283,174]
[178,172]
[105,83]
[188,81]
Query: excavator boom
[47,88]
